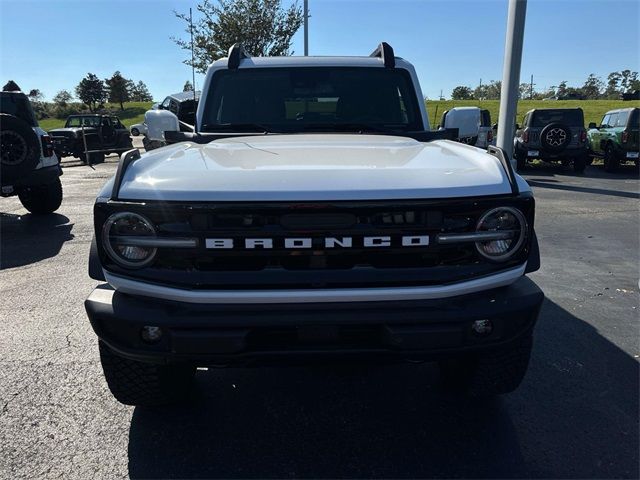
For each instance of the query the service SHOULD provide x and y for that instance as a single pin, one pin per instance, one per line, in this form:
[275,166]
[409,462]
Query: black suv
[29,167]
[182,105]
[103,134]
[555,134]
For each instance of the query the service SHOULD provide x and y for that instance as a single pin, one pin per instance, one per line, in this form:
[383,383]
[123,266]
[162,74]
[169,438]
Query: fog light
[482,327]
[151,334]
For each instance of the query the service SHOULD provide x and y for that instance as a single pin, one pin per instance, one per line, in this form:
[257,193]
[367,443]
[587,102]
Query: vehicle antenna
[193,75]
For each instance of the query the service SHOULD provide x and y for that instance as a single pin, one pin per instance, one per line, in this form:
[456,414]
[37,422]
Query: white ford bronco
[313,215]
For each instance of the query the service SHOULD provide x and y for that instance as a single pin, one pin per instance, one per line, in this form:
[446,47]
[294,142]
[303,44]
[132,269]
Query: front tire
[579,164]
[611,161]
[145,384]
[135,132]
[487,374]
[42,199]
[521,160]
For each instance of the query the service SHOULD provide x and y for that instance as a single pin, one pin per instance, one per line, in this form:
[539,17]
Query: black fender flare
[95,266]
[533,262]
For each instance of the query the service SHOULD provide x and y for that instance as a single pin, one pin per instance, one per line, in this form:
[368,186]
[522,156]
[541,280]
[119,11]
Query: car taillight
[525,136]
[490,136]
[583,136]
[47,145]
[625,137]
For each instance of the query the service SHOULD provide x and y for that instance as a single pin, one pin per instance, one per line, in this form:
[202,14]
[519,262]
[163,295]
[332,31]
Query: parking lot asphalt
[575,415]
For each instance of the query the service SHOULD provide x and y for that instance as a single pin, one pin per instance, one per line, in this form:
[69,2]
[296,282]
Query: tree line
[92,93]
[594,88]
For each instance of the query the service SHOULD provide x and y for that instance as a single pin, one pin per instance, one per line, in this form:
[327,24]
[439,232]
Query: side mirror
[495,126]
[517,126]
[160,121]
[592,125]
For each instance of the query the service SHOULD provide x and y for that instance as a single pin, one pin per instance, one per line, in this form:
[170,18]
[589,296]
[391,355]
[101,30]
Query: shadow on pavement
[26,239]
[555,185]
[624,172]
[574,416]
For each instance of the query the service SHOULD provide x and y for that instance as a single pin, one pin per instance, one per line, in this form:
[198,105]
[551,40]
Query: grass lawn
[594,110]
[133,113]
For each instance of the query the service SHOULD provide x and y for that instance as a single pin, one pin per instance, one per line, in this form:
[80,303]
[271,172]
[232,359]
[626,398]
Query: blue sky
[52,44]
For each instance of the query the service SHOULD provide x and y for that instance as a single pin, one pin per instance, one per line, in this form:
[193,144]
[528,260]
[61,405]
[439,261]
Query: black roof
[184,96]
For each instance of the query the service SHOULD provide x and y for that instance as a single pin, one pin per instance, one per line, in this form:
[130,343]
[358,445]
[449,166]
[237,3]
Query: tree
[91,92]
[118,89]
[263,27]
[592,87]
[490,91]
[613,85]
[187,87]
[524,91]
[140,92]
[561,91]
[62,98]
[35,95]
[462,93]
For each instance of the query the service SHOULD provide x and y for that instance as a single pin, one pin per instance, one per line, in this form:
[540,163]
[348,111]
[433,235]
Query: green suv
[616,139]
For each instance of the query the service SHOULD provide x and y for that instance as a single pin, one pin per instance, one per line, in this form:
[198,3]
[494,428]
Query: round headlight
[510,225]
[115,232]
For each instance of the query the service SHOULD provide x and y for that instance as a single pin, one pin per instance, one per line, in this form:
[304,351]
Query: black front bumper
[241,334]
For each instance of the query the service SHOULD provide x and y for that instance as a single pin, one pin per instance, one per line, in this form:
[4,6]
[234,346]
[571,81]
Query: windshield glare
[568,117]
[87,121]
[312,98]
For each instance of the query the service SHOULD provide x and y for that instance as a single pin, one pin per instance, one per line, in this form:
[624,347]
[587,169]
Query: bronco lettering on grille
[326,242]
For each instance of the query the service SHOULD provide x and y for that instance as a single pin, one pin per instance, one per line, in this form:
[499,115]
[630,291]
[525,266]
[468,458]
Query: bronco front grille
[316,266]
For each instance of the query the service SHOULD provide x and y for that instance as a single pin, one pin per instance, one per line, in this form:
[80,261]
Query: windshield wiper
[236,127]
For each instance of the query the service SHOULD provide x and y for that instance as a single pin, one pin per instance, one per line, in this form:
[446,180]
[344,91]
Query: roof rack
[236,53]
[385,52]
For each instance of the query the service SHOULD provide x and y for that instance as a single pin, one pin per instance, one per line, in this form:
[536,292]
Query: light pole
[511,75]
[306,28]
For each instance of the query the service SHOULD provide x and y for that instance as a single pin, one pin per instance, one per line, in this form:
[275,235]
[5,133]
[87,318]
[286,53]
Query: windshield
[312,99]
[542,118]
[87,121]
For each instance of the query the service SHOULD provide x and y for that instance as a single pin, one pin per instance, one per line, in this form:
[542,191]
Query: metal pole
[511,75]
[193,75]
[306,28]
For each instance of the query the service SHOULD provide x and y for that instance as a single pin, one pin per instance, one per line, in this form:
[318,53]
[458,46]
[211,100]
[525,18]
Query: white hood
[314,167]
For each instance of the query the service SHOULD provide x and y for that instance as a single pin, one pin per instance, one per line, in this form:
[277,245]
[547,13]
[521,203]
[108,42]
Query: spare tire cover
[555,137]
[19,148]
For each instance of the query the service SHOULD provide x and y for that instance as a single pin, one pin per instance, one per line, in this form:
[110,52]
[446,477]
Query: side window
[106,122]
[605,120]
[525,120]
[173,106]
[486,118]
[622,119]
[612,120]
[165,104]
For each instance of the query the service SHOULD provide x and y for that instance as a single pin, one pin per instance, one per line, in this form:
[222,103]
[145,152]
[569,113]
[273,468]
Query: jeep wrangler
[616,139]
[313,216]
[94,133]
[29,167]
[554,134]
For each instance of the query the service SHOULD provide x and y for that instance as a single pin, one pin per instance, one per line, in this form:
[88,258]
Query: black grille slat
[317,267]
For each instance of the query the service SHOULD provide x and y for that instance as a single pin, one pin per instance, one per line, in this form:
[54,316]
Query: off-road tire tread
[144,384]
[42,199]
[489,374]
